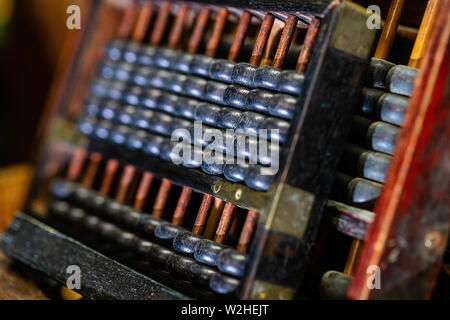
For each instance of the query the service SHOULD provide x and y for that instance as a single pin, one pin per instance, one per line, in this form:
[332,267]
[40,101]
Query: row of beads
[255,176]
[288,81]
[168,260]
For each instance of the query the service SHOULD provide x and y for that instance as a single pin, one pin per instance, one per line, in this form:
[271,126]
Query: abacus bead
[195,157]
[103,129]
[267,77]
[166,231]
[215,168]
[208,251]
[222,284]
[237,96]
[92,223]
[378,70]
[163,58]
[185,107]
[250,122]
[143,119]
[391,108]
[283,106]
[80,194]
[109,110]
[113,209]
[124,71]
[142,75]
[107,230]
[232,262]
[235,172]
[382,137]
[221,70]
[215,91]
[147,56]
[373,166]
[182,62]
[136,140]
[97,202]
[133,95]
[228,118]
[108,68]
[119,134]
[169,153]
[361,190]
[269,158]
[100,87]
[151,98]
[259,100]
[61,189]
[126,115]
[186,242]
[131,52]
[114,49]
[167,103]
[247,148]
[277,129]
[126,240]
[207,113]
[256,180]
[153,144]
[116,91]
[400,80]
[161,123]
[195,87]
[291,82]
[176,82]
[200,65]
[93,106]
[159,79]
[202,274]
[76,215]
[180,129]
[59,208]
[243,74]
[86,124]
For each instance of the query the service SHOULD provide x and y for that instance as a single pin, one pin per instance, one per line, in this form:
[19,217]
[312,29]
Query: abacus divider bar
[239,37]
[161,198]
[202,214]
[247,231]
[224,223]
[143,21]
[199,30]
[91,172]
[110,171]
[76,164]
[261,40]
[389,30]
[182,205]
[161,23]
[217,33]
[177,30]
[285,41]
[126,25]
[424,33]
[308,43]
[143,189]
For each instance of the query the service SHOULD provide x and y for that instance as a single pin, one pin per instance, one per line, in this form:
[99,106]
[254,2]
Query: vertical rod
[247,231]
[143,21]
[76,164]
[177,30]
[213,219]
[110,171]
[160,24]
[261,40]
[182,205]
[310,38]
[91,172]
[239,37]
[424,33]
[127,178]
[199,29]
[224,223]
[202,214]
[355,250]
[161,198]
[143,189]
[389,30]
[126,25]
[285,41]
[218,29]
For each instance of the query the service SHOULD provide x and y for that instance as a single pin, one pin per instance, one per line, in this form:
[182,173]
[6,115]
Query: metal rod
[217,33]
[177,30]
[110,171]
[143,189]
[224,223]
[261,40]
[239,37]
[199,29]
[247,231]
[202,214]
[91,172]
[160,24]
[125,182]
[126,25]
[161,198]
[76,164]
[308,43]
[285,41]
[182,205]
[143,21]
[213,219]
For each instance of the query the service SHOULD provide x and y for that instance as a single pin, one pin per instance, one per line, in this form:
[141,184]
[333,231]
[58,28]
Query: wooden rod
[199,30]
[285,41]
[239,37]
[261,40]
[308,44]
[160,24]
[219,27]
[143,190]
[390,29]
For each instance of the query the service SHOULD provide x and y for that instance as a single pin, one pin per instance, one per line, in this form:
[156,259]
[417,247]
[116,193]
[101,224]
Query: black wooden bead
[195,87]
[126,240]
[143,119]
[208,251]
[215,91]
[147,56]
[153,144]
[283,106]
[228,118]
[222,70]
[103,129]
[214,169]
[108,230]
[243,74]
[201,274]
[256,180]
[237,96]
[185,107]
[207,113]
[59,208]
[182,62]
[166,231]
[235,172]
[232,262]
[113,209]
[137,140]
[291,82]
[126,115]
[250,122]
[97,202]
[200,65]
[276,129]
[267,77]
[163,58]
[176,82]
[119,134]
[91,223]
[132,95]
[147,224]
[168,103]
[259,100]
[159,79]
[186,242]
[223,285]
[76,215]
[80,194]
[61,189]
[151,97]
